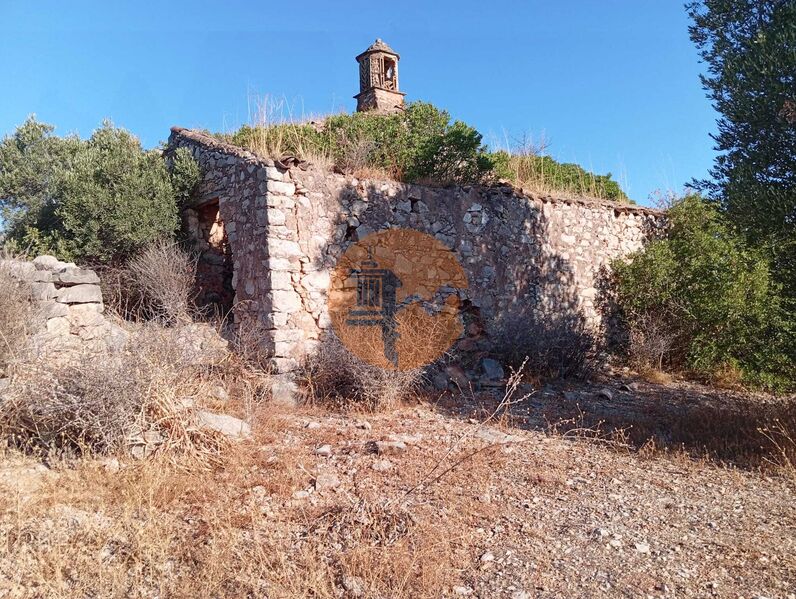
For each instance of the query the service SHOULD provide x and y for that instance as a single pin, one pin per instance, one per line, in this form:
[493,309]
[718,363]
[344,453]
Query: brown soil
[541,502]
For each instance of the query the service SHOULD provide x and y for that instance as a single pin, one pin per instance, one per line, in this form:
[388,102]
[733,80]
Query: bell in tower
[378,80]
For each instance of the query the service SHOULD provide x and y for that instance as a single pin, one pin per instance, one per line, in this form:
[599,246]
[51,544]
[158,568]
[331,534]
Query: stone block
[77,276]
[52,309]
[284,391]
[285,349]
[282,248]
[285,365]
[80,294]
[316,281]
[287,335]
[43,291]
[85,315]
[224,424]
[275,216]
[51,263]
[288,264]
[281,187]
[273,173]
[58,326]
[280,279]
[41,276]
[284,301]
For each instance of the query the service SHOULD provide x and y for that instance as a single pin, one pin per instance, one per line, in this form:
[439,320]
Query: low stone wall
[528,258]
[68,302]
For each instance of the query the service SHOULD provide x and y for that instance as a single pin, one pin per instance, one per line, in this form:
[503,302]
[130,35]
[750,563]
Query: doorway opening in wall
[214,268]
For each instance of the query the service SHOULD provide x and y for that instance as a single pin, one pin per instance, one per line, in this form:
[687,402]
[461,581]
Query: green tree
[97,200]
[749,47]
[713,294]
[31,160]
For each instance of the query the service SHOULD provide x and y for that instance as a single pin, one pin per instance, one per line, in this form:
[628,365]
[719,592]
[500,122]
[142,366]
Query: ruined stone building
[270,232]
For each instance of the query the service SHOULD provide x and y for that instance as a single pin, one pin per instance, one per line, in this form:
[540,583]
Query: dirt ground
[544,500]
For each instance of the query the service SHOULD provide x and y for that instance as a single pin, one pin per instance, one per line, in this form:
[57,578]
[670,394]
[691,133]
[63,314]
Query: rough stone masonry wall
[526,257]
[68,304]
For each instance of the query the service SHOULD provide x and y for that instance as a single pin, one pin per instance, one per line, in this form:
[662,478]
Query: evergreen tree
[749,47]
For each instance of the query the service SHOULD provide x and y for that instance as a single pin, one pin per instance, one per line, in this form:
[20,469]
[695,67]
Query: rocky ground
[421,501]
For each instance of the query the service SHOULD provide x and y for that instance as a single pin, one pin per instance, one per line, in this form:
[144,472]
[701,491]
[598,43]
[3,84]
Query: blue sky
[610,84]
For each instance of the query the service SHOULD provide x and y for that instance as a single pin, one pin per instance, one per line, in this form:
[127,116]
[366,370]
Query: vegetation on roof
[423,145]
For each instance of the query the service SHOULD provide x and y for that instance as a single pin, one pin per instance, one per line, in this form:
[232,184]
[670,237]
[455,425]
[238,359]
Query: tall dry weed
[17,313]
[165,274]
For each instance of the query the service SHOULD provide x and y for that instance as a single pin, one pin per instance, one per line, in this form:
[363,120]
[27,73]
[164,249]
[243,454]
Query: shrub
[98,200]
[420,143]
[545,175]
[165,276]
[549,347]
[335,375]
[712,295]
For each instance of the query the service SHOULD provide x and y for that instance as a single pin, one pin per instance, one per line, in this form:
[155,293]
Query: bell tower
[378,80]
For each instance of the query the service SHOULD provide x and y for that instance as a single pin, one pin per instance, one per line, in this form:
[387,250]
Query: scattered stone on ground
[224,424]
[543,515]
[324,451]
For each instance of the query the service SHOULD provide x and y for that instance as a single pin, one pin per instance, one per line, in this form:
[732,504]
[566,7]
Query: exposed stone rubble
[68,300]
[525,255]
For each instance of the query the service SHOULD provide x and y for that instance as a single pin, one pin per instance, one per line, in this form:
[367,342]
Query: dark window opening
[389,73]
[215,267]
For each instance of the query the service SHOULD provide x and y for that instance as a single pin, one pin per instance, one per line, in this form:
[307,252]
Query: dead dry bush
[92,403]
[552,348]
[17,314]
[334,375]
[649,342]
[165,275]
[88,402]
[120,292]
[354,153]
[377,551]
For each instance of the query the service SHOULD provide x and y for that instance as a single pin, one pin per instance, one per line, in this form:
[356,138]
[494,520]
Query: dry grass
[277,132]
[749,433]
[84,403]
[235,528]
[655,376]
[753,432]
[158,528]
[17,315]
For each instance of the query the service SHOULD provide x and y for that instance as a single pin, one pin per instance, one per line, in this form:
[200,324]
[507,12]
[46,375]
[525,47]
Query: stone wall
[68,306]
[527,257]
